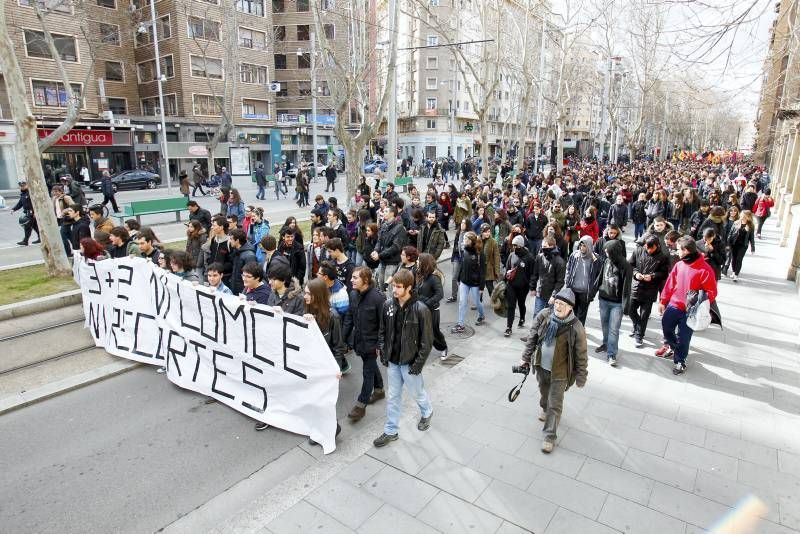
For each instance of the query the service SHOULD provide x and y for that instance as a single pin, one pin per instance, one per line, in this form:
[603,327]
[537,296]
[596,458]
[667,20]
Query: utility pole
[605,117]
[314,102]
[664,126]
[540,99]
[453,82]
[159,81]
[391,126]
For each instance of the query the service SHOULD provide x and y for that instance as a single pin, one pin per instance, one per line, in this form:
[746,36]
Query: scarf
[690,258]
[555,324]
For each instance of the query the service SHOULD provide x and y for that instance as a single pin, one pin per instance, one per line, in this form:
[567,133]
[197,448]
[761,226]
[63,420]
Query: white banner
[274,367]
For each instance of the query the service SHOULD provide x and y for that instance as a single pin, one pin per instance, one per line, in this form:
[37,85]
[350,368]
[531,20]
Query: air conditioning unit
[120,122]
[274,87]
[107,115]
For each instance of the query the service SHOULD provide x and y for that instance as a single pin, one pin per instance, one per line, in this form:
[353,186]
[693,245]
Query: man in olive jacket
[404,341]
[557,348]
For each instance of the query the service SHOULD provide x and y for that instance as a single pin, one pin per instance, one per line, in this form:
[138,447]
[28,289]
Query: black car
[135,179]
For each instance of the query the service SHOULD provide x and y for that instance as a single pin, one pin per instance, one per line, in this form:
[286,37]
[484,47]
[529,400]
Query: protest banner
[269,365]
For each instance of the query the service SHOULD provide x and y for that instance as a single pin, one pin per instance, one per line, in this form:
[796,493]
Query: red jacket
[762,205]
[592,229]
[686,277]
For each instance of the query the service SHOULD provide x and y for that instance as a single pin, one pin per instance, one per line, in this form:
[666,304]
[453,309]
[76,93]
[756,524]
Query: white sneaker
[161,370]
[443,357]
[734,277]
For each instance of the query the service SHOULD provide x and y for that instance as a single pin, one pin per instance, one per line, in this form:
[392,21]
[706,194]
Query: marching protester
[217,249]
[519,272]
[241,253]
[548,275]
[556,349]
[214,273]
[196,236]
[762,209]
[404,343]
[650,269]
[339,299]
[392,237]
[147,247]
[471,281]
[286,291]
[93,250]
[581,276]
[255,290]
[430,292]
[181,265]
[122,245]
[613,292]
[740,236]
[201,215]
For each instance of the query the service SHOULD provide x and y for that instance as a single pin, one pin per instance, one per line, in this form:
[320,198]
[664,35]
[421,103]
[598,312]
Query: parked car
[135,179]
[369,168]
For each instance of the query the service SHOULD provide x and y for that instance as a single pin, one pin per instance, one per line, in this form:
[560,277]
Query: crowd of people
[369,274]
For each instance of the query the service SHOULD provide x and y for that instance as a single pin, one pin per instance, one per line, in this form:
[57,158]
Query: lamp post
[160,81]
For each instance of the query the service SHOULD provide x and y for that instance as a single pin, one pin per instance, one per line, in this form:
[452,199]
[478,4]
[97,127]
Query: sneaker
[524,339]
[473,307]
[639,342]
[679,368]
[444,355]
[261,426]
[377,395]
[424,423]
[36,242]
[161,370]
[357,413]
[547,447]
[601,348]
[451,300]
[457,329]
[480,321]
[664,352]
[22,244]
[734,277]
[507,333]
[345,368]
[612,361]
[632,334]
[521,323]
[542,415]
[338,431]
[384,439]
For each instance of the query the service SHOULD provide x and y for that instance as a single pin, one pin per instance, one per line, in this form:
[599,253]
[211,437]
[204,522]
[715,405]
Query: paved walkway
[639,450]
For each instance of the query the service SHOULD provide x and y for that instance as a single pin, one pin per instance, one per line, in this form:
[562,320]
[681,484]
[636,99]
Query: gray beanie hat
[518,241]
[566,295]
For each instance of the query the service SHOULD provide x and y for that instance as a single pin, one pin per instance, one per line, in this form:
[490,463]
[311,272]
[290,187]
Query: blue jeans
[397,375]
[674,318]
[372,378]
[261,192]
[610,321]
[534,245]
[464,292]
[638,230]
[539,304]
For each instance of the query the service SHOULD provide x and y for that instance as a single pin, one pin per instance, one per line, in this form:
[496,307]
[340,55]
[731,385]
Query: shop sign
[198,150]
[87,138]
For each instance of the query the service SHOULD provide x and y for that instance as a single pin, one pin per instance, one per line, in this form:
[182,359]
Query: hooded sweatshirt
[614,272]
[582,280]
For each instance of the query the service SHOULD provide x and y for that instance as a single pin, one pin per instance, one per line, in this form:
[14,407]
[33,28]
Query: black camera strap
[515,391]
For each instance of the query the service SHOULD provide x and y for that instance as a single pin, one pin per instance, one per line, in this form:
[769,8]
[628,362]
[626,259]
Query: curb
[39,305]
[26,398]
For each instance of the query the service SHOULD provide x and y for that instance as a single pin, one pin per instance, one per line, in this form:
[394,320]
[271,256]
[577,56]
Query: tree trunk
[559,144]
[53,251]
[484,145]
[353,154]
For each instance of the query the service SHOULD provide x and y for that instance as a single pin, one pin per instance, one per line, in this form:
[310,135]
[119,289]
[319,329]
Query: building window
[432,62]
[150,106]
[115,71]
[253,74]
[434,3]
[278,6]
[109,34]
[280,61]
[65,44]
[252,39]
[251,7]
[279,32]
[61,7]
[304,88]
[303,32]
[430,103]
[53,94]
[302,6]
[304,61]
[431,83]
[111,4]
[324,89]
[255,109]
[327,4]
[206,67]
[433,40]
[284,90]
[430,124]
[203,29]
[330,31]
[206,105]
[146,71]
[164,28]
[118,106]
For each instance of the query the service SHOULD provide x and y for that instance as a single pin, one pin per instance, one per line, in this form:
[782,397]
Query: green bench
[149,207]
[399,181]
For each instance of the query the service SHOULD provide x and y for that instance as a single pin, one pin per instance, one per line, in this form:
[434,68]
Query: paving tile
[599,448]
[789,511]
[303,518]
[707,420]
[361,470]
[510,469]
[789,463]
[509,528]
[401,490]
[451,515]
[344,502]
[389,517]
[454,478]
[566,522]
[496,437]
[659,469]
[561,460]
[687,506]
[517,506]
[483,390]
[611,410]
[569,493]
[438,442]
[451,420]
[702,458]
[632,518]
[636,438]
[404,456]
[732,493]
[616,480]
[685,432]
[777,482]
[745,450]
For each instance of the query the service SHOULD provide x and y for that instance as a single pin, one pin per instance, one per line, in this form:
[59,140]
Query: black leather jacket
[361,324]
[417,335]
[392,237]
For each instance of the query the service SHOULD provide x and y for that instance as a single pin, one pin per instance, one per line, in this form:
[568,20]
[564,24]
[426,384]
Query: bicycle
[89,202]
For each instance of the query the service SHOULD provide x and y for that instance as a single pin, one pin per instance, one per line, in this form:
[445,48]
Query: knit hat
[518,241]
[485,227]
[566,295]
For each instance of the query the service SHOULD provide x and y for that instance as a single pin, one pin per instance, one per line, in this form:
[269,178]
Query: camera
[521,369]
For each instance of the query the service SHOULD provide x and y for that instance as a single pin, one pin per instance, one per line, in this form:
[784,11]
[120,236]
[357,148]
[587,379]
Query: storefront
[97,149]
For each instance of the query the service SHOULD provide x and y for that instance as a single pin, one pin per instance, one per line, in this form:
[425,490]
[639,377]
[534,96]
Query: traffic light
[468,127]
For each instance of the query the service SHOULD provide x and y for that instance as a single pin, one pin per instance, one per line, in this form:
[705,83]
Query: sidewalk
[639,450]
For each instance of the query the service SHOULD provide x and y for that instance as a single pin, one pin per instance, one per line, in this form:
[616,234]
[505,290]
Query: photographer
[557,346]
